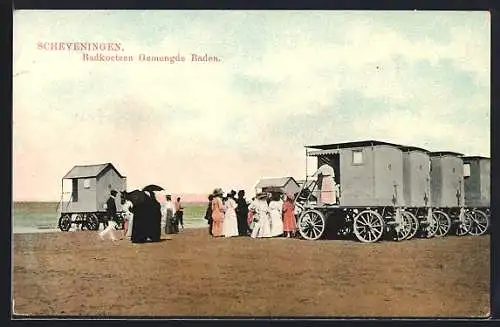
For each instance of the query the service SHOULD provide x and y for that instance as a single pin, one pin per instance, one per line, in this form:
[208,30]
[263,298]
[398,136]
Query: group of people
[172,216]
[267,215]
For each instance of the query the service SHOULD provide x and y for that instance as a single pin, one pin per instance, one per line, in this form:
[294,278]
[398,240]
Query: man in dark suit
[179,213]
[208,213]
[110,208]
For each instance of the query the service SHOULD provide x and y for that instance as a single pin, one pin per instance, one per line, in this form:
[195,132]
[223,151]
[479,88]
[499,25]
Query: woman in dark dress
[242,214]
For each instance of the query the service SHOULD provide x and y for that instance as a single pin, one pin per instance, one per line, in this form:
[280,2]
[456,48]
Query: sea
[43,217]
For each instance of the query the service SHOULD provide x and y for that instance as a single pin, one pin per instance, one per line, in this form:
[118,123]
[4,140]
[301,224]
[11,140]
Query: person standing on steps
[326,182]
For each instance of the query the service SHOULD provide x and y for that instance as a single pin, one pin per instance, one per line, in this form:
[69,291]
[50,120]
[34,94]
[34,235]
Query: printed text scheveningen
[80,46]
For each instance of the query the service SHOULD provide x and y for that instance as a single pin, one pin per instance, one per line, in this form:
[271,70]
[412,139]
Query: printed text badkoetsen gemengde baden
[108,52]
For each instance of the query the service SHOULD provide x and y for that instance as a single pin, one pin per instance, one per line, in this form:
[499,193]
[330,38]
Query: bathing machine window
[466,170]
[357,157]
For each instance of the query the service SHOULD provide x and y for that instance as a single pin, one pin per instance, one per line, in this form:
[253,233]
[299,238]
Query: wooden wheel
[480,223]
[65,222]
[414,225]
[430,229]
[402,232]
[80,221]
[311,224]
[443,223]
[92,222]
[463,227]
[368,226]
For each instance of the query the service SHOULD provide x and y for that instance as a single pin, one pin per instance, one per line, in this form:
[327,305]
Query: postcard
[219,163]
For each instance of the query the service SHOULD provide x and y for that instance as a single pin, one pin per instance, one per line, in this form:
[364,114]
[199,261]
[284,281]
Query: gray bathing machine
[477,192]
[370,192]
[417,189]
[90,189]
[448,192]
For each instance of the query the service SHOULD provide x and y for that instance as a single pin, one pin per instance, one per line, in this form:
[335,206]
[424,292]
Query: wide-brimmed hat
[218,192]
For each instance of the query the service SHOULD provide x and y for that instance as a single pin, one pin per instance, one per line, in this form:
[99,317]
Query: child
[109,230]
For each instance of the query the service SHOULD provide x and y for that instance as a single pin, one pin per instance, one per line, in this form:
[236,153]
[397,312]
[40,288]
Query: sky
[285,79]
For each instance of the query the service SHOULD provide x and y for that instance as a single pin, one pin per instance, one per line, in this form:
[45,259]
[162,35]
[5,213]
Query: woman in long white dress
[169,215]
[230,225]
[129,217]
[161,198]
[260,209]
[326,178]
[276,214]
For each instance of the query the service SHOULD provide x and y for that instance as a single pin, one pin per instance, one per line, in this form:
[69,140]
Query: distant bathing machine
[382,188]
[282,185]
[91,186]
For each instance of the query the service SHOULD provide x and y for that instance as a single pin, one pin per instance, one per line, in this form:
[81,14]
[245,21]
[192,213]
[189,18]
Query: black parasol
[153,188]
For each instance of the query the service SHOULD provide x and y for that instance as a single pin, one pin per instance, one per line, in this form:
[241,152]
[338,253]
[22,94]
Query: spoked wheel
[463,227]
[431,228]
[368,226]
[402,232]
[443,223]
[92,222]
[480,223]
[414,225]
[311,224]
[65,222]
[80,221]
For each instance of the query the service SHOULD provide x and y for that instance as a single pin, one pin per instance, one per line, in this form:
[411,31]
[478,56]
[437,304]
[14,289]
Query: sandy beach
[195,275]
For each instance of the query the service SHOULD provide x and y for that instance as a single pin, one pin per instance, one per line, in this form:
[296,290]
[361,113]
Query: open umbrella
[152,188]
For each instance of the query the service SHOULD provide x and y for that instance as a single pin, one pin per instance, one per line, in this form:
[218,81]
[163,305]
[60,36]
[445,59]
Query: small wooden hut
[282,185]
[91,186]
